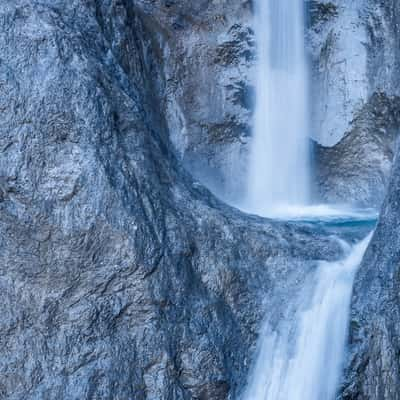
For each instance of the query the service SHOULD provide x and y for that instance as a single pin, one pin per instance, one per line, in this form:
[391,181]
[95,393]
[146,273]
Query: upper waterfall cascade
[279,169]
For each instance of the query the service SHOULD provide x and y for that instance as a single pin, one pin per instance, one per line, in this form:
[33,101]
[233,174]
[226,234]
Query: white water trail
[302,358]
[279,165]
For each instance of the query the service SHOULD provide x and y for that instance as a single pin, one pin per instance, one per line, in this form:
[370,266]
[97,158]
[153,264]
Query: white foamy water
[302,358]
[279,160]
[316,212]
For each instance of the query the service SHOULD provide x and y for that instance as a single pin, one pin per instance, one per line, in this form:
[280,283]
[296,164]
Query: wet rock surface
[208,53]
[355,92]
[364,156]
[373,364]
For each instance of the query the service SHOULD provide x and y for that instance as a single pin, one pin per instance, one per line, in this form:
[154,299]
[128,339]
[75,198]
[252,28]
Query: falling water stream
[302,357]
[279,167]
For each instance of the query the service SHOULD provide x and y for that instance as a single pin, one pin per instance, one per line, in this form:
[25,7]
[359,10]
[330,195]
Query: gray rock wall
[373,370]
[207,55]
[355,97]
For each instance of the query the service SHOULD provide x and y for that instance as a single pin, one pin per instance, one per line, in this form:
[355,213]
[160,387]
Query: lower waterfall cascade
[302,358]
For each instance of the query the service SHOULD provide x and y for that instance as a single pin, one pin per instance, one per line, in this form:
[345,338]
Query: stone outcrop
[208,51]
[373,370]
[355,97]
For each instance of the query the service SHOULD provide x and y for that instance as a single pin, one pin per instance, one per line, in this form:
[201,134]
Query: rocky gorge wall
[355,97]
[121,275]
[372,368]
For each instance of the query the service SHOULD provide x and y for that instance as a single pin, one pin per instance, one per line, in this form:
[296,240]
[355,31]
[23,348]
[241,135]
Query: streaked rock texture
[207,50]
[355,97]
[373,370]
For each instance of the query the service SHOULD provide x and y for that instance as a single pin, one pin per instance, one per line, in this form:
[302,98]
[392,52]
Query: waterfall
[279,158]
[301,359]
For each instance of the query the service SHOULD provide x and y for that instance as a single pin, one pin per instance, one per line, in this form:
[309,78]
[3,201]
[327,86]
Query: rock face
[207,51]
[121,277]
[373,370]
[355,97]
